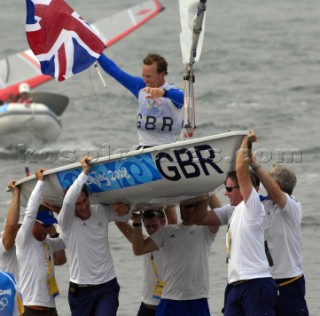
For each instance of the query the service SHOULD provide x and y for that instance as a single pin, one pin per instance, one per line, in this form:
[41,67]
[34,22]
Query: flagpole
[100,75]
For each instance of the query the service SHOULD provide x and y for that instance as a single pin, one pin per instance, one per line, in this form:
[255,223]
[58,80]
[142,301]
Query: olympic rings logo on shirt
[153,103]
[3,303]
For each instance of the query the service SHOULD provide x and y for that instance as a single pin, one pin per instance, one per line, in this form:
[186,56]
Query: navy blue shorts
[291,300]
[198,307]
[144,310]
[102,299]
[252,298]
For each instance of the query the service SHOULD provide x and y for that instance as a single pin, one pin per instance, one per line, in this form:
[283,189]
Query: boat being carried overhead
[148,178]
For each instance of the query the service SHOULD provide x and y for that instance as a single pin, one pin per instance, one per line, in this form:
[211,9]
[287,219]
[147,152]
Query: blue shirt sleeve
[176,96]
[132,83]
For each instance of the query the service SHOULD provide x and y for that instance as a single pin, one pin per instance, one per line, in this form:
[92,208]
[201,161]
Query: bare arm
[275,194]
[140,245]
[171,214]
[126,229]
[203,217]
[11,226]
[59,258]
[242,166]
[214,201]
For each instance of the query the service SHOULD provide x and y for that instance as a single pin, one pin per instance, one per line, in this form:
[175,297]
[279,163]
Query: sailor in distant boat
[24,94]
[160,115]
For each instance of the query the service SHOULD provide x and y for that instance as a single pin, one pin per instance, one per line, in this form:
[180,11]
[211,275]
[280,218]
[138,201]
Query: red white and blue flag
[61,40]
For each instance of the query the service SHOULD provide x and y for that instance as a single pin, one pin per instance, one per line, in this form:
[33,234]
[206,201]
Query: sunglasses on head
[153,213]
[188,205]
[230,189]
[45,226]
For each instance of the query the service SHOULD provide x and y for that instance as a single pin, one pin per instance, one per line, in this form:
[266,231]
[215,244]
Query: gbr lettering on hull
[183,162]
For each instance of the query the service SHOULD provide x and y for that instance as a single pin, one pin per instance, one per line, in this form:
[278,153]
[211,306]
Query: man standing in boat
[94,289]
[160,115]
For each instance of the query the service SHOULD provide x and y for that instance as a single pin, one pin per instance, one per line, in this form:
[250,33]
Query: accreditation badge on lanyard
[157,290]
[158,287]
[51,280]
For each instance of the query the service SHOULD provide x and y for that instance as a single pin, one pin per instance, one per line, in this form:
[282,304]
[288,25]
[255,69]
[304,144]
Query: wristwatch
[164,93]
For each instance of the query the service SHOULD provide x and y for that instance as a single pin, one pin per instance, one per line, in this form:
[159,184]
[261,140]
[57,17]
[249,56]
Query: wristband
[137,224]
[55,235]
[256,167]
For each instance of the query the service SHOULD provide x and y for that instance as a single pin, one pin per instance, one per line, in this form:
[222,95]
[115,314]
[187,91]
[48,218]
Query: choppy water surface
[259,69]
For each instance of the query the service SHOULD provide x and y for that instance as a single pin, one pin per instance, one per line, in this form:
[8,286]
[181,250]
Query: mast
[194,55]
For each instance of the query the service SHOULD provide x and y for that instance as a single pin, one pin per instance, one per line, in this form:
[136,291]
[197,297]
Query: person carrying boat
[24,94]
[186,249]
[8,258]
[35,253]
[283,234]
[9,271]
[160,115]
[153,264]
[251,289]
[94,289]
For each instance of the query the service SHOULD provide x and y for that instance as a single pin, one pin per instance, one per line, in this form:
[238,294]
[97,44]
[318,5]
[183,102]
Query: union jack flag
[61,40]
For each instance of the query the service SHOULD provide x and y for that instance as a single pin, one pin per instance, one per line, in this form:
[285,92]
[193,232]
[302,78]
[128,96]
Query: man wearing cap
[35,251]
[24,94]
[94,289]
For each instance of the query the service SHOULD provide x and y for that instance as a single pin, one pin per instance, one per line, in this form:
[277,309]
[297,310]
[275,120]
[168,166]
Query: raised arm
[275,194]
[127,229]
[25,232]
[11,225]
[133,84]
[140,244]
[67,212]
[214,201]
[242,165]
[203,217]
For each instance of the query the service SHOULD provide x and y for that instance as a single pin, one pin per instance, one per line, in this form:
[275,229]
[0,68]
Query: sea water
[259,70]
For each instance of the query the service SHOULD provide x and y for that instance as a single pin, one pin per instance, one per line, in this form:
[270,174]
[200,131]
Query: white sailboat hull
[148,178]
[25,124]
